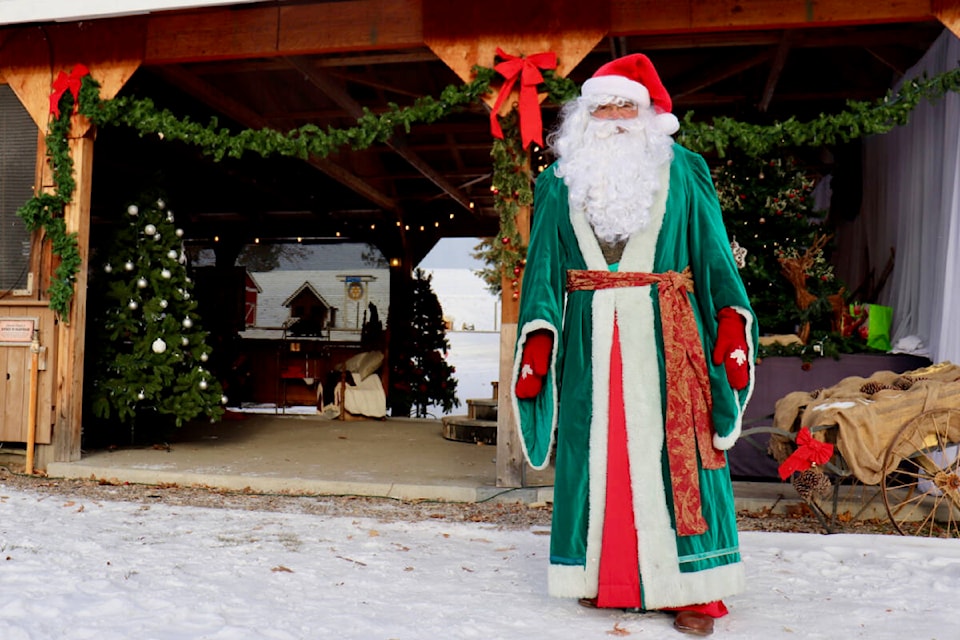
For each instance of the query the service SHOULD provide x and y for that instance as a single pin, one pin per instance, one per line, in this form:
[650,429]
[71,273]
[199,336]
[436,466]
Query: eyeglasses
[613,111]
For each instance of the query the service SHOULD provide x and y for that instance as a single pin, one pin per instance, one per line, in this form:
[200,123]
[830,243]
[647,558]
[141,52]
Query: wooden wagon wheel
[921,475]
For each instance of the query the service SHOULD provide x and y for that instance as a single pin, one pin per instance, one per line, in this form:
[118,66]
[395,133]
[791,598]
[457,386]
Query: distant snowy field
[465,299]
[474,354]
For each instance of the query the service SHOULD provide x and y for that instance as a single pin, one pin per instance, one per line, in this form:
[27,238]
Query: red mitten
[534,363]
[731,347]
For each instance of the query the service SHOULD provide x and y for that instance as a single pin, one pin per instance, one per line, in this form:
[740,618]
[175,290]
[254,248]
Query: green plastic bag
[875,328]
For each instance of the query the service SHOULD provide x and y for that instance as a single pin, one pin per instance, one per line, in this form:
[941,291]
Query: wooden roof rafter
[242,114]
[779,59]
[323,80]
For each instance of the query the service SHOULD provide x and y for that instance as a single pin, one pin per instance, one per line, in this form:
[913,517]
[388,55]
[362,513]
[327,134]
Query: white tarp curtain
[911,202]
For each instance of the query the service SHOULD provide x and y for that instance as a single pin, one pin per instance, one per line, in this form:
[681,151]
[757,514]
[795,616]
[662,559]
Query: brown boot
[693,623]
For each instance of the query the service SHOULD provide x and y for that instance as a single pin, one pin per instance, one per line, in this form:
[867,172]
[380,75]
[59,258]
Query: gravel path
[507,515]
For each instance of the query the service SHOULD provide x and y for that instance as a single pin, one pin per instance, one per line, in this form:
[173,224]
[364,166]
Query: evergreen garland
[45,211]
[512,188]
[306,141]
[861,118]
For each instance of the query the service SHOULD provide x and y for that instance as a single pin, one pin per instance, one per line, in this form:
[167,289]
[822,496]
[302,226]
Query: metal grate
[18,152]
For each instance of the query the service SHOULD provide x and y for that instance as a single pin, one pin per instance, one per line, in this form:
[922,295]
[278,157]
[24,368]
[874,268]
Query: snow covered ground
[75,569]
[79,570]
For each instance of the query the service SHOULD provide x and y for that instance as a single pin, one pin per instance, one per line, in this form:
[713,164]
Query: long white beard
[612,169]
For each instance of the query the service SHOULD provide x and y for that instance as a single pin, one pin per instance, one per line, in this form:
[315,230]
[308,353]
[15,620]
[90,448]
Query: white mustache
[603,129]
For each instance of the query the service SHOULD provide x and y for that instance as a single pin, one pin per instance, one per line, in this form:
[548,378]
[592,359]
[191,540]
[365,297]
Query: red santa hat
[634,78]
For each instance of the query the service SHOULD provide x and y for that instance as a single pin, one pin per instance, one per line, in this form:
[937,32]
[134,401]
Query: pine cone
[902,383]
[870,388]
[812,483]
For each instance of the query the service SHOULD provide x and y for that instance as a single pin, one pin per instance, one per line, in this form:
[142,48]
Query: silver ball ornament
[203,384]
[150,229]
[159,346]
[172,254]
[108,268]
[204,357]
[142,283]
[187,323]
[166,274]
[133,210]
[163,304]
[128,265]
[179,233]
[132,305]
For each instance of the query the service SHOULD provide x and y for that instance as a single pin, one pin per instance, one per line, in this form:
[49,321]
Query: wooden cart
[898,433]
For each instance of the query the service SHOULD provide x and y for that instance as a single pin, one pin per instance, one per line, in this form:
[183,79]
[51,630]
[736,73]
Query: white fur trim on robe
[664,584]
[723,443]
[525,332]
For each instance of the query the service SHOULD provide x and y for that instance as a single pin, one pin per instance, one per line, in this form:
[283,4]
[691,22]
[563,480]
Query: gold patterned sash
[689,421]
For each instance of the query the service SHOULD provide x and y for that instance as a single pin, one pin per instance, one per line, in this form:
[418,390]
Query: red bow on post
[64,83]
[810,451]
[527,70]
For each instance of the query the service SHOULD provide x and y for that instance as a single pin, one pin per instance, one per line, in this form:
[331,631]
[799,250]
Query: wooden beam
[323,81]
[260,31]
[898,68]
[71,331]
[841,36]
[948,12]
[776,69]
[30,60]
[714,75]
[247,117]
[466,34]
[634,17]
[269,31]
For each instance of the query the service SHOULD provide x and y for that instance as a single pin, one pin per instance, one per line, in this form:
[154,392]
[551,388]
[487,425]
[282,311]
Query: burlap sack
[862,416]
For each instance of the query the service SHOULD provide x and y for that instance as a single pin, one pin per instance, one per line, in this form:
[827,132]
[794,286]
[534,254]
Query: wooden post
[510,462]
[464,35]
[29,61]
[69,381]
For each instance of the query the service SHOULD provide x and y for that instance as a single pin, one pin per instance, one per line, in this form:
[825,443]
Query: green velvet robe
[570,413]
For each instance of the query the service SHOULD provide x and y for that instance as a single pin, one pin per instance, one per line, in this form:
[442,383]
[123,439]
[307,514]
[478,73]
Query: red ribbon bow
[527,70]
[810,451]
[67,82]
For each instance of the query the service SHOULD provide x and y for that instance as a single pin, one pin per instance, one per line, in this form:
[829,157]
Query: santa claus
[630,281]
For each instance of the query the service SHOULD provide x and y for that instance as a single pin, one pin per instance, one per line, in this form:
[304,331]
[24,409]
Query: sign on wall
[17,332]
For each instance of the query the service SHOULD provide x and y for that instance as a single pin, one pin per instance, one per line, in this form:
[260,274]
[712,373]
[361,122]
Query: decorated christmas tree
[420,375]
[152,358]
[780,243]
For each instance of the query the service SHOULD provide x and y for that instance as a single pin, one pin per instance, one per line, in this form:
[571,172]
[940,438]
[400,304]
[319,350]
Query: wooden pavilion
[283,63]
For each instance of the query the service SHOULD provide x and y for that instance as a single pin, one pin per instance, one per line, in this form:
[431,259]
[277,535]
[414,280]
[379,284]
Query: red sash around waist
[689,422]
